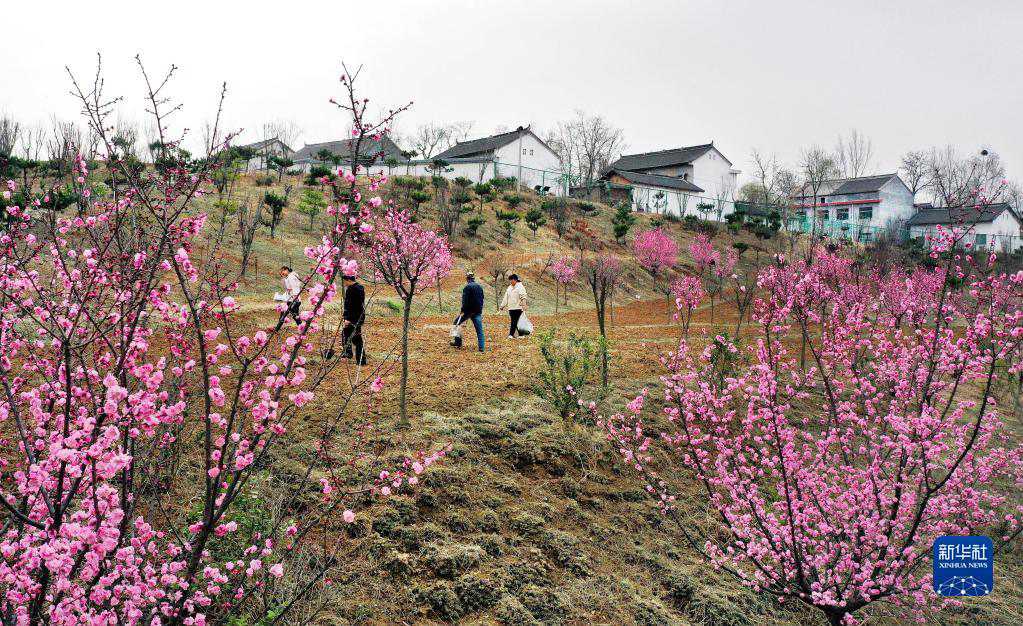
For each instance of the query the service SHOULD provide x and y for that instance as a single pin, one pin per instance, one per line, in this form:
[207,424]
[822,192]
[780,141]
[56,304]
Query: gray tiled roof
[981,214]
[842,186]
[370,148]
[661,158]
[656,180]
[259,145]
[484,145]
[863,184]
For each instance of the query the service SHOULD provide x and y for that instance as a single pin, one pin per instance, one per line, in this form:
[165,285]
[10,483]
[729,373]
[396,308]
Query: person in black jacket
[472,307]
[354,315]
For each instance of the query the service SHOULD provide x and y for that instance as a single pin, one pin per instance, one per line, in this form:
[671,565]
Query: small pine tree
[276,205]
[622,221]
[508,220]
[417,198]
[535,218]
[281,164]
[474,223]
[484,193]
[311,204]
[317,172]
[514,200]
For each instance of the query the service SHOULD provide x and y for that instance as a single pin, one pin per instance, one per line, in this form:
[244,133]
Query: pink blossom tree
[137,407]
[657,253]
[688,292]
[711,267]
[565,272]
[831,482]
[409,258]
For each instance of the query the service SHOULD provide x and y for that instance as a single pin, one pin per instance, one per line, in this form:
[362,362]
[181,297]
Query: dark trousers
[477,323]
[352,337]
[292,310]
[514,314]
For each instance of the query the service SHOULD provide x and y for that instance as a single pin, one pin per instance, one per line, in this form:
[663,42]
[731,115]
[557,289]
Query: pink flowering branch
[657,253]
[565,271]
[831,481]
[409,258]
[139,407]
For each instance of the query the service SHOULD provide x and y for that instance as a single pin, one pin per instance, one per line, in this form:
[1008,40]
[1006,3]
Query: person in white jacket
[293,292]
[515,301]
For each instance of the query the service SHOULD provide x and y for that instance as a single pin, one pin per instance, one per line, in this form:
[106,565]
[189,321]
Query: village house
[372,152]
[857,208]
[652,193]
[991,226]
[262,151]
[711,176]
[518,153]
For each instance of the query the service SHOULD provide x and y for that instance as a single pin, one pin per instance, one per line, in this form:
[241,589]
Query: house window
[980,239]
[866,236]
[842,214]
[523,151]
[866,213]
[530,152]
[824,199]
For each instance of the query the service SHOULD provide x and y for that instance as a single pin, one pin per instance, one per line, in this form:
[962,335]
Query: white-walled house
[702,165]
[263,150]
[518,153]
[372,152]
[992,226]
[869,205]
[653,193]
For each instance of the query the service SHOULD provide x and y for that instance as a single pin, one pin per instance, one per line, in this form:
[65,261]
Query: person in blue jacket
[472,307]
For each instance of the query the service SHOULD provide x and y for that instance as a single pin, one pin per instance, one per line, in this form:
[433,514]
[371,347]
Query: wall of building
[889,207]
[713,173]
[646,199]
[536,169]
[539,165]
[1003,234]
[896,205]
[259,162]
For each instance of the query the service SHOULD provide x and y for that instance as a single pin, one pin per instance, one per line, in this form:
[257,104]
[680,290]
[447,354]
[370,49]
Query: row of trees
[829,473]
[141,412]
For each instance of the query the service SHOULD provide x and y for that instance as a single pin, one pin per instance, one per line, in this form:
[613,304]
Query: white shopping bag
[280,297]
[525,327]
[456,331]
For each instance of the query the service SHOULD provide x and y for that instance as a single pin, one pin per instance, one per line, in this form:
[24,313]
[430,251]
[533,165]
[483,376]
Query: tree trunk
[403,421]
[836,618]
[604,360]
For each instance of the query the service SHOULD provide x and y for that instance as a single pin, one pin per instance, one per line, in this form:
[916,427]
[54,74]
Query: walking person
[293,295]
[354,314]
[472,307]
[515,301]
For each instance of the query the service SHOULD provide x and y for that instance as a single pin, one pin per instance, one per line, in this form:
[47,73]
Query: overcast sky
[776,75]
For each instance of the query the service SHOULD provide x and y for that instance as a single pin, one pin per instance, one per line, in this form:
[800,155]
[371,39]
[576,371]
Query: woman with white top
[293,294]
[515,301]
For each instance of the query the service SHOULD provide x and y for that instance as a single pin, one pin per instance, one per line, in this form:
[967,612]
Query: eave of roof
[656,180]
[663,158]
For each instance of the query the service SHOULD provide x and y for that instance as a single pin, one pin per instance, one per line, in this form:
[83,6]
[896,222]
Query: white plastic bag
[456,332]
[280,297]
[525,327]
